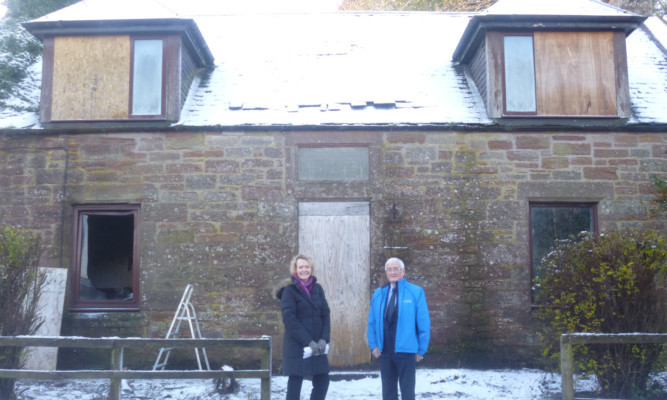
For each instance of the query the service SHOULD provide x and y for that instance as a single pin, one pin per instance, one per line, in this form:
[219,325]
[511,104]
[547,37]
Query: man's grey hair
[398,260]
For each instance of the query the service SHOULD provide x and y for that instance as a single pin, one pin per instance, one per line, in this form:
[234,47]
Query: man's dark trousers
[398,369]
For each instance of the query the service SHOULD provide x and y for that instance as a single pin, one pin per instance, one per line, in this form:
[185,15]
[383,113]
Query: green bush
[611,284]
[18,48]
[659,203]
[21,284]
[30,9]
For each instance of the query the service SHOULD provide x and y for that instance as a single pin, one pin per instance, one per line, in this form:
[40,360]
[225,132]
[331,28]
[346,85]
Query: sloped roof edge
[551,7]
[657,31]
[184,26]
[479,24]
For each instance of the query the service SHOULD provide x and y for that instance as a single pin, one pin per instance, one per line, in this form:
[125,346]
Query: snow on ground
[525,384]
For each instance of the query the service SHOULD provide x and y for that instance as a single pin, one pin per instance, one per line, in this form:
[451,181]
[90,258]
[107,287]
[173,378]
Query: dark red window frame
[76,304]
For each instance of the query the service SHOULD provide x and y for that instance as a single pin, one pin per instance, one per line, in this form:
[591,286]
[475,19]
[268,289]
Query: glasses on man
[392,269]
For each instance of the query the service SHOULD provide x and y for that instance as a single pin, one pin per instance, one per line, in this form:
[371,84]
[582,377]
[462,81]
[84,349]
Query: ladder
[184,312]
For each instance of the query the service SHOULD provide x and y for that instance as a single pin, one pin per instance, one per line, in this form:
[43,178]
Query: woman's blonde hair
[292,264]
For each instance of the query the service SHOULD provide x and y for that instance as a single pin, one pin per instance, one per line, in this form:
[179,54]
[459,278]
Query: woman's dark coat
[305,318]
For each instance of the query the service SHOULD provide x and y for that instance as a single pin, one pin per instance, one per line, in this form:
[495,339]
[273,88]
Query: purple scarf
[307,286]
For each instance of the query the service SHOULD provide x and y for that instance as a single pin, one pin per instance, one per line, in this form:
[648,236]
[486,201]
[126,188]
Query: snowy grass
[525,384]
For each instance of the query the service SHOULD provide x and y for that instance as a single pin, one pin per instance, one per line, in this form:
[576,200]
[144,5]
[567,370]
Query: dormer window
[112,78]
[147,78]
[526,64]
[134,71]
[556,74]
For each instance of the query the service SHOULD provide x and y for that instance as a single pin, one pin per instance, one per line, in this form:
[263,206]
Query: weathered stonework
[219,210]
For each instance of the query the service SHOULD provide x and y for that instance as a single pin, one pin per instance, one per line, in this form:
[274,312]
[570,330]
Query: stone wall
[219,210]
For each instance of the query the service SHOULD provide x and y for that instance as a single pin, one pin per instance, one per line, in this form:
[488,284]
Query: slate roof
[361,69]
[91,10]
[357,69]
[559,7]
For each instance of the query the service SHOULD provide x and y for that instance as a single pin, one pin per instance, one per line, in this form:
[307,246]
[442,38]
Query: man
[399,329]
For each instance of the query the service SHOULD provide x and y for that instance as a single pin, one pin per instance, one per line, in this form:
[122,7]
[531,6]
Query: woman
[307,328]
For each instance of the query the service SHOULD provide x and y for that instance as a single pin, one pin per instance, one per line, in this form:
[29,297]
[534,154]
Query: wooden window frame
[163,85]
[171,80]
[77,304]
[552,204]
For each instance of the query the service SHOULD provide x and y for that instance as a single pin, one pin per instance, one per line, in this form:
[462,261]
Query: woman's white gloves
[316,349]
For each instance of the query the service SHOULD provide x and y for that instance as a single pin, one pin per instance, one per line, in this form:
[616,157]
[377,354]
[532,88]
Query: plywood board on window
[91,78]
[575,73]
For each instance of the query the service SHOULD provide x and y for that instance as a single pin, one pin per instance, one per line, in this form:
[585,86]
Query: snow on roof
[111,10]
[658,29]
[647,74]
[147,9]
[220,7]
[356,69]
[364,69]
[551,7]
[333,69]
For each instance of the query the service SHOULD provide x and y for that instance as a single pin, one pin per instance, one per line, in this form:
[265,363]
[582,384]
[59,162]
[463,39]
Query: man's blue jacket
[413,329]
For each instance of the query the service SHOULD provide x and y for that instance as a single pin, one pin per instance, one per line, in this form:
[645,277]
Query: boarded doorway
[337,236]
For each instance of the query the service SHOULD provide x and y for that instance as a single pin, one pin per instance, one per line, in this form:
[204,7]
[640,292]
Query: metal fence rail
[117,345]
[567,353]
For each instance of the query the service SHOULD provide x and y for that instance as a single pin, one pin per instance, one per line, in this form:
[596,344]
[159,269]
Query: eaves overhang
[546,127]
[187,28]
[480,24]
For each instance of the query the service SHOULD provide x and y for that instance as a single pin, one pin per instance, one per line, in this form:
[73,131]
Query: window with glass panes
[550,222]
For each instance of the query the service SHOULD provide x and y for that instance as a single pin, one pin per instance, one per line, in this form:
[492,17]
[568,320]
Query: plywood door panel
[337,236]
[575,73]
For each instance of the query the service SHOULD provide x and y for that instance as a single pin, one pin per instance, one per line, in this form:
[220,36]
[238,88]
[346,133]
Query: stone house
[177,146]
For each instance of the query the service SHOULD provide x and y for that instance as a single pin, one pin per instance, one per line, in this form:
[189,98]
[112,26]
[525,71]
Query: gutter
[546,128]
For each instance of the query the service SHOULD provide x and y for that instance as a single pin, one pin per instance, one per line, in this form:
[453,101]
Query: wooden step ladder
[184,312]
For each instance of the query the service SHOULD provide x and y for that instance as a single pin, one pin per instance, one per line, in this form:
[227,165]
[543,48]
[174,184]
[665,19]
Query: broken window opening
[105,275]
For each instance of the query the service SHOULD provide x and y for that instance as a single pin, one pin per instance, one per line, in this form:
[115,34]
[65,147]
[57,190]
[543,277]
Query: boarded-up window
[90,78]
[333,164]
[147,64]
[574,74]
[106,78]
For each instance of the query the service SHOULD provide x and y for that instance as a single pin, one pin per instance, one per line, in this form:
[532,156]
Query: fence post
[566,368]
[116,365]
[266,364]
